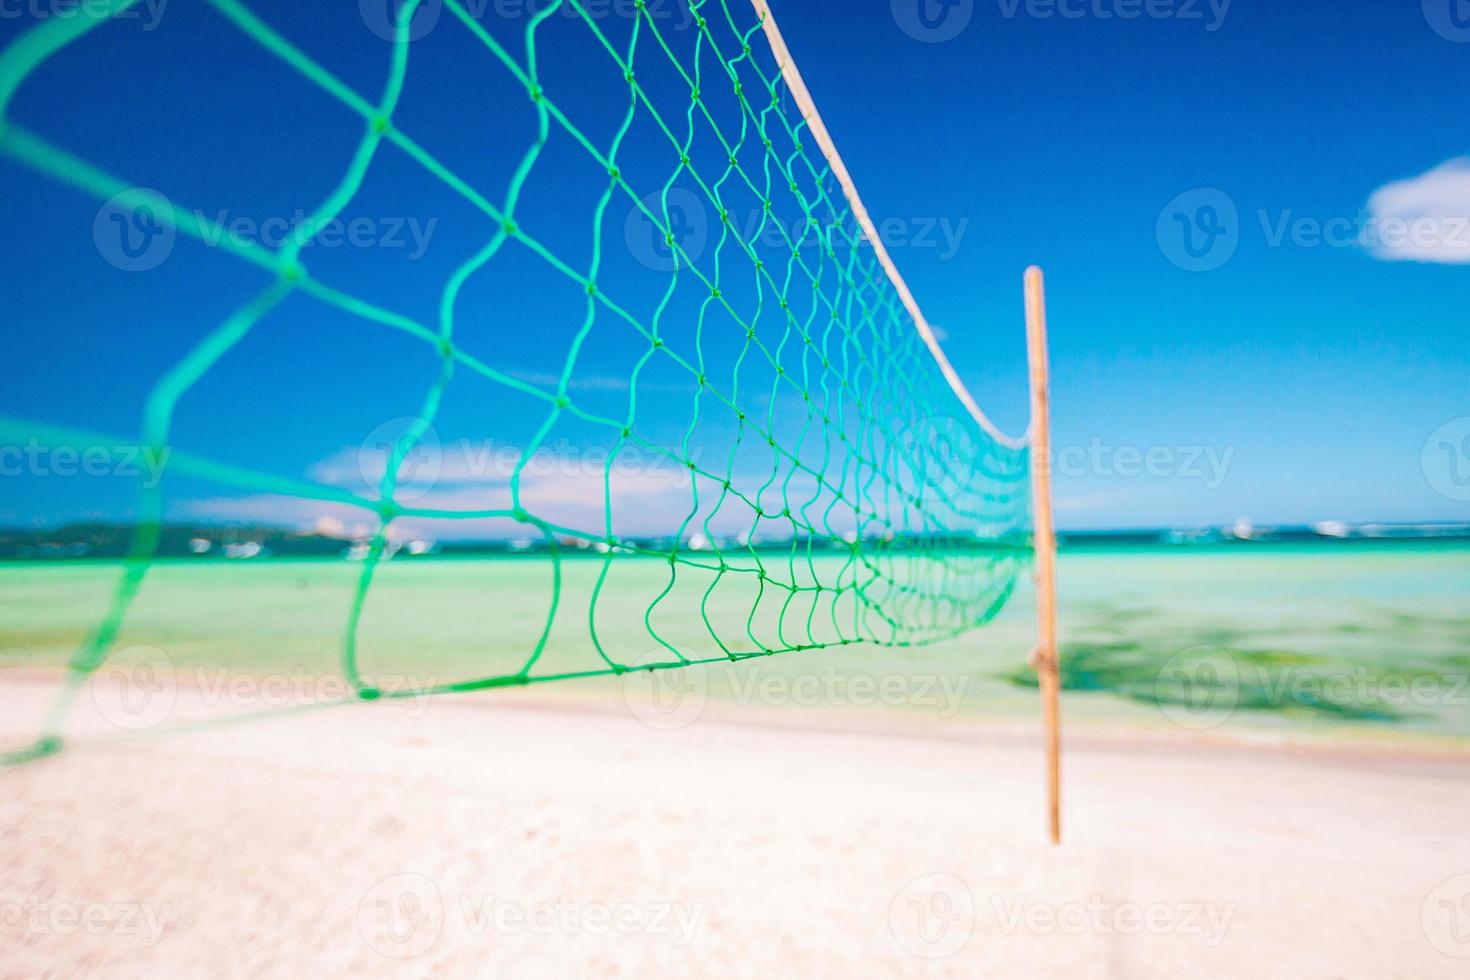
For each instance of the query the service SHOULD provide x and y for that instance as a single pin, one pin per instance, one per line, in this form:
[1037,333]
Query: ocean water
[1374,635]
[1371,637]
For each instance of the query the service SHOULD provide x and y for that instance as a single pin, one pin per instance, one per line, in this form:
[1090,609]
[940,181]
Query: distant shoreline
[236,546]
[492,553]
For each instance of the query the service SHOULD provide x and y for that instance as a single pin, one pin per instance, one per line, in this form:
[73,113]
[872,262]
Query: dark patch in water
[1248,680]
[1215,664]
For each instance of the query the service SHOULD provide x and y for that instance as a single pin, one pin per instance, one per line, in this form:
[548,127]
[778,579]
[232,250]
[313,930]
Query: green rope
[928,514]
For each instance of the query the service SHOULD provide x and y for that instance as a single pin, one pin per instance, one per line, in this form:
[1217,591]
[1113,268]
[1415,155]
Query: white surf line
[813,118]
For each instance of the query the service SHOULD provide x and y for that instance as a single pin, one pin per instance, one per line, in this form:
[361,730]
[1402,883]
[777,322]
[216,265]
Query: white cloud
[647,492]
[1424,218]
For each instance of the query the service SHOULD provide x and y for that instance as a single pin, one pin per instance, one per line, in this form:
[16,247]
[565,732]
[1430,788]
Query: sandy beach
[519,836]
[553,489]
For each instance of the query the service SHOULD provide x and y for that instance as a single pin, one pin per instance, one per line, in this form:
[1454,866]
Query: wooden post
[1045,659]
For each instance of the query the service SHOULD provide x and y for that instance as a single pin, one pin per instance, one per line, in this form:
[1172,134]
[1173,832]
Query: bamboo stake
[1045,659]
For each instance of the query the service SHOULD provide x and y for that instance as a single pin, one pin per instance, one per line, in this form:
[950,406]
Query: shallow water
[1374,636]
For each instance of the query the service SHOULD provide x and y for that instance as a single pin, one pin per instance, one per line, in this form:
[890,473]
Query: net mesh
[879,513]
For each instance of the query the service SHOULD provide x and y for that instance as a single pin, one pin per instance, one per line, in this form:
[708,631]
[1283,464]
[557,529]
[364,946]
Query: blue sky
[1291,360]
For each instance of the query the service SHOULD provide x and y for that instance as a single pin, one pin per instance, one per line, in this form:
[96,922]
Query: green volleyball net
[820,475]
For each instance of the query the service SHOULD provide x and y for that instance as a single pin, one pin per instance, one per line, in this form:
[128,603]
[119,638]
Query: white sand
[495,836]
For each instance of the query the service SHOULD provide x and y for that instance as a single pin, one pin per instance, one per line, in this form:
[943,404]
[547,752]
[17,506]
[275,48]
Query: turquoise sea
[1367,637]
